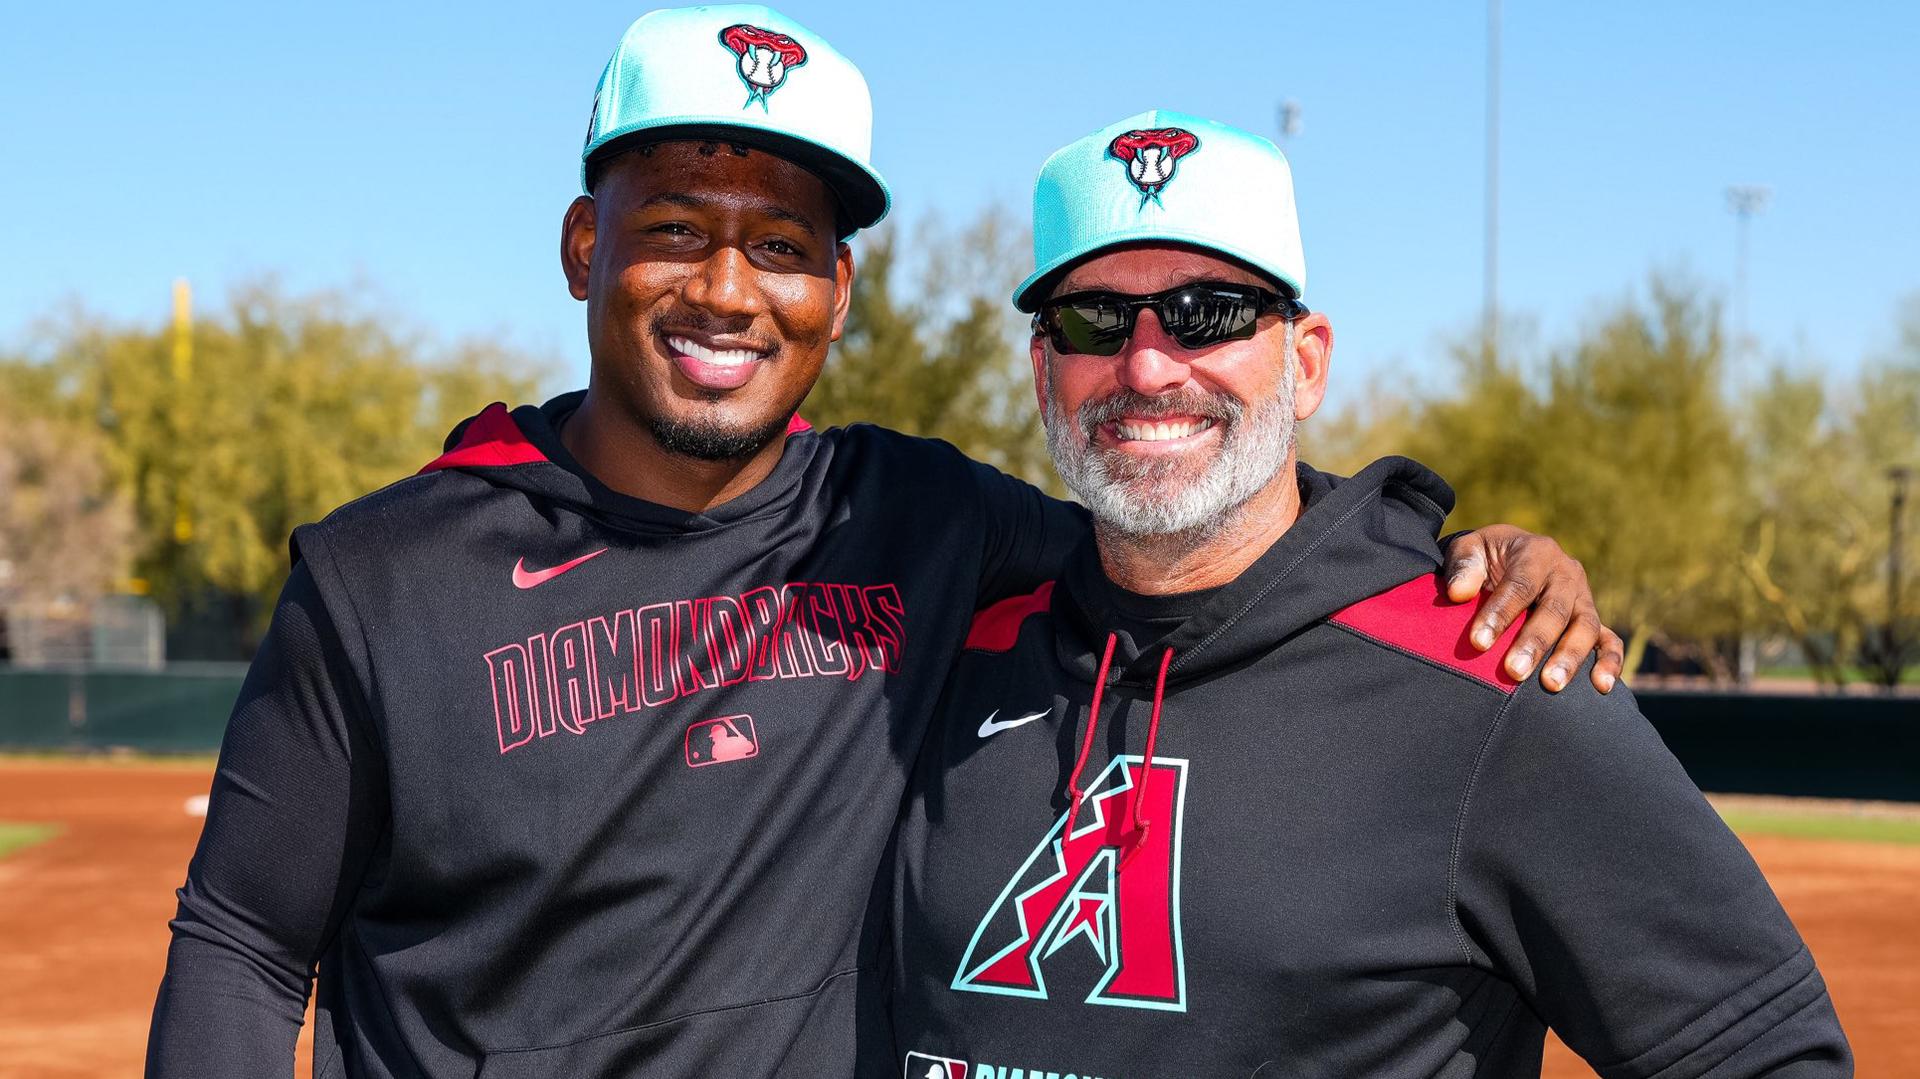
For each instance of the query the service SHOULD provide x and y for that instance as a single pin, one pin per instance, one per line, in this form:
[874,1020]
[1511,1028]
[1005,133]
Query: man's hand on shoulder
[1530,573]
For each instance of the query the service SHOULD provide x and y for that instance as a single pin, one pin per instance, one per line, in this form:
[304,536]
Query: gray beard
[1170,498]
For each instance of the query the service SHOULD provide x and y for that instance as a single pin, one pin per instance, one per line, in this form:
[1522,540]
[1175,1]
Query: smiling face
[1163,440]
[714,284]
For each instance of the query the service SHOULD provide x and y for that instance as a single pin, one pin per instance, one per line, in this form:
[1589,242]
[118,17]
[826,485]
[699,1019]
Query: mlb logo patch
[717,741]
[928,1066]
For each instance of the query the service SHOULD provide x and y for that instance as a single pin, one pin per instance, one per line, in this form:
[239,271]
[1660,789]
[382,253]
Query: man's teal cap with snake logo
[1166,177]
[748,74]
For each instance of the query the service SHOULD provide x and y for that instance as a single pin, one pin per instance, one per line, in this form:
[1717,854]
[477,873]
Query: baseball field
[90,852]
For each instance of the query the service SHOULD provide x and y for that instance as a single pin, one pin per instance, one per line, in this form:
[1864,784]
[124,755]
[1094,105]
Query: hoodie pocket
[812,1035]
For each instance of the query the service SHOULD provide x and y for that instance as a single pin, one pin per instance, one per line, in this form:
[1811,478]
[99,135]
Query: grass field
[1823,826]
[1855,675]
[117,758]
[1819,818]
[14,837]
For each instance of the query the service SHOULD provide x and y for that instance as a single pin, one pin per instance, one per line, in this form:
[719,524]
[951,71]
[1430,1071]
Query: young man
[576,754]
[1234,797]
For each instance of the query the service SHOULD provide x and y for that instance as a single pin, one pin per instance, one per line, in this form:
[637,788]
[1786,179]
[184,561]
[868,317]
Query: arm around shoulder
[1027,533]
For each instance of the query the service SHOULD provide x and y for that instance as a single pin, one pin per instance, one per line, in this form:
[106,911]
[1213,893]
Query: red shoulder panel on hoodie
[491,439]
[996,628]
[1417,617]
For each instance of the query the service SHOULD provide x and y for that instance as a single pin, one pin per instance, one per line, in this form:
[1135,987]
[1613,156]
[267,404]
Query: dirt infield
[1855,904]
[83,917]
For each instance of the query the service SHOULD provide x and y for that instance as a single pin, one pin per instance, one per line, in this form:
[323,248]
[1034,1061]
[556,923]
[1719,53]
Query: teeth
[732,357]
[1159,431]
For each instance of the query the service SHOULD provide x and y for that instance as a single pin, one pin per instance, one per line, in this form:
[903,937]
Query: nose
[1153,362]
[723,285]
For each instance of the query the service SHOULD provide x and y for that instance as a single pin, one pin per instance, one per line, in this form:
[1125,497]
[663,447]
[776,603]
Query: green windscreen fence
[182,709]
[1830,746]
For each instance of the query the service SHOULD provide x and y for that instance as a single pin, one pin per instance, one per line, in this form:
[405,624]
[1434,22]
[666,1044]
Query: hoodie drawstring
[1075,794]
[1140,823]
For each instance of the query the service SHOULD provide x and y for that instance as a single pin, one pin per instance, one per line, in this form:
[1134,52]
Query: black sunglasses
[1196,315]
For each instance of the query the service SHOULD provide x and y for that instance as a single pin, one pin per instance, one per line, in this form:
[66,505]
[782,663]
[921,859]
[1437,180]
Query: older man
[1234,797]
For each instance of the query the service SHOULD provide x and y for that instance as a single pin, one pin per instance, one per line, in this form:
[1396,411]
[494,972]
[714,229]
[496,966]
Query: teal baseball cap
[748,74]
[1170,177]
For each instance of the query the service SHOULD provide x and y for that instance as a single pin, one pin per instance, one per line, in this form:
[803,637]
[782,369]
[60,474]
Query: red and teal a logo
[1152,157]
[1116,892]
[763,58]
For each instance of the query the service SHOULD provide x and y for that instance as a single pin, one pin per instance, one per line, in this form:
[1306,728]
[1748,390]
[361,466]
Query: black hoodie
[555,782]
[1359,849]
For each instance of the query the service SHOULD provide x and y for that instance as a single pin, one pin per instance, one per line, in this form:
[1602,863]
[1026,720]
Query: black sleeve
[1027,534]
[297,804]
[1595,877]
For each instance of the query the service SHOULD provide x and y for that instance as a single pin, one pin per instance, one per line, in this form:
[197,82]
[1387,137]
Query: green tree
[934,347]
[1884,434]
[1809,539]
[1622,447]
[1651,488]
[1702,519]
[1818,529]
[226,436]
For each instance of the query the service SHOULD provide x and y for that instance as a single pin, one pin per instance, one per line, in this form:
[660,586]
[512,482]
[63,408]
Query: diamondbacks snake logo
[1152,156]
[764,58]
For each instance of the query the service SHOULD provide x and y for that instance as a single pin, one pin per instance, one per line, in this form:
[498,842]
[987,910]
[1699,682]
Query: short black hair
[640,143]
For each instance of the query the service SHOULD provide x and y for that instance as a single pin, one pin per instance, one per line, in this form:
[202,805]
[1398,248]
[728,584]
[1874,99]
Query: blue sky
[426,152]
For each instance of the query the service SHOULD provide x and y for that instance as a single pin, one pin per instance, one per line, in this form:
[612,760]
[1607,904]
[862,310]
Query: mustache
[1218,407]
[691,321]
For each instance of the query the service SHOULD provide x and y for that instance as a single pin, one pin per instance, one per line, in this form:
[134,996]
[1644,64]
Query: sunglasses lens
[1099,324]
[1093,328]
[1207,316]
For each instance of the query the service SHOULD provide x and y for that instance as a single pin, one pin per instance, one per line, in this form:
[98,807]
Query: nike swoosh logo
[988,728]
[533,578]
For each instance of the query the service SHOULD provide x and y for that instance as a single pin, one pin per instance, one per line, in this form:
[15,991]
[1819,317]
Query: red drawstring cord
[1153,734]
[1138,840]
[1074,793]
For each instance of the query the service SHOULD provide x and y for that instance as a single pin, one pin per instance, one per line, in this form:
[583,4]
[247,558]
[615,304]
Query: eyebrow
[799,221]
[684,201]
[674,198]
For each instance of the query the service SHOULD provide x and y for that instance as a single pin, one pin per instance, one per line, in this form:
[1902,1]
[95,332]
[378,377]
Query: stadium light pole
[1490,302]
[1289,121]
[1896,640]
[1745,200]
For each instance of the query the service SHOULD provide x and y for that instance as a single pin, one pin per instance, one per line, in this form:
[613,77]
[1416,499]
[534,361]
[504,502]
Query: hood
[1355,537]
[520,449]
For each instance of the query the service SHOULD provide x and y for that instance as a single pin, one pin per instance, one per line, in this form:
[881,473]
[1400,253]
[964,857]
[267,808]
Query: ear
[1037,349]
[576,245]
[842,289]
[1313,343]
